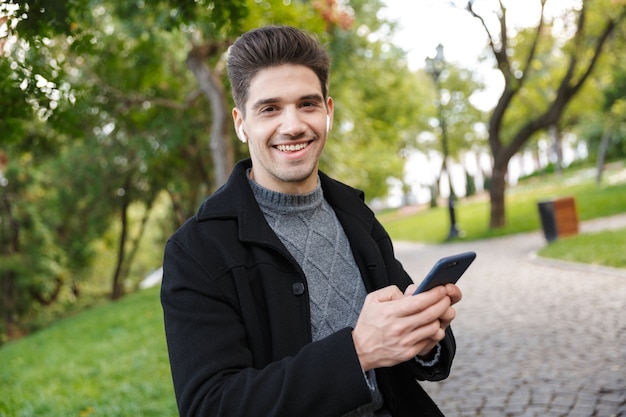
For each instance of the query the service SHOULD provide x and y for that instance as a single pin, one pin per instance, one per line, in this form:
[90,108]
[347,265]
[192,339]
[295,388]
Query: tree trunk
[7,279]
[604,145]
[210,84]
[536,159]
[9,246]
[134,243]
[117,290]
[496,193]
[48,300]
[557,147]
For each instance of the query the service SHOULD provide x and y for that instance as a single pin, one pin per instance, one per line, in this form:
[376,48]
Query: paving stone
[534,337]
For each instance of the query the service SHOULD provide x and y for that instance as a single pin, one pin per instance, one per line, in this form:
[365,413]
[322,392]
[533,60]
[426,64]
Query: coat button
[298,288]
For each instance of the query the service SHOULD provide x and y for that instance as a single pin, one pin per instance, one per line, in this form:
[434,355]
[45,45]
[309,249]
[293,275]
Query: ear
[238,122]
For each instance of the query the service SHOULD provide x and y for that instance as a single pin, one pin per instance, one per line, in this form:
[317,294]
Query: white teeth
[292,148]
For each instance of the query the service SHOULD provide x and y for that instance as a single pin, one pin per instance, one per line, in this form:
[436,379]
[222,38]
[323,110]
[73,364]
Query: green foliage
[541,78]
[55,204]
[461,117]
[108,361]
[471,184]
[599,110]
[84,144]
[13,107]
[46,18]
[225,15]
[608,117]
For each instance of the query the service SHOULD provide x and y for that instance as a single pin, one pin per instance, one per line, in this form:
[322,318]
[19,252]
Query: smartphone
[446,270]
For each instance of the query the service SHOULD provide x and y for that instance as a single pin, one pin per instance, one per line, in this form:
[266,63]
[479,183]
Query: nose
[291,123]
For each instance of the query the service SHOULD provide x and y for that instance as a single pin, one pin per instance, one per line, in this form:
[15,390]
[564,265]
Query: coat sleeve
[213,367]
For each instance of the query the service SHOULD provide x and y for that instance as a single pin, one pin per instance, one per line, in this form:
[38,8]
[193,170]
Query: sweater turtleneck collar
[281,202]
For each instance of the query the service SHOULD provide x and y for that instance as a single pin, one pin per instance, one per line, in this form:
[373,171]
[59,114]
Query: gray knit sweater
[308,227]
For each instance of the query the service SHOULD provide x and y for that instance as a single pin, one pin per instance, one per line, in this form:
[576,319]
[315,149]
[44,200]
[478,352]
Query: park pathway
[535,338]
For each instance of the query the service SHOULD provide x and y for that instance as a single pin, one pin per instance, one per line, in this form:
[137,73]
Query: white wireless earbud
[242,134]
[327,123]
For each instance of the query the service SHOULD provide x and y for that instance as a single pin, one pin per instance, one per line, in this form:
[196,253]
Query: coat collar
[235,200]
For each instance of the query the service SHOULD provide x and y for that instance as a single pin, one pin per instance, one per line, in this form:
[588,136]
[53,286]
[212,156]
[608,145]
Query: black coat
[237,320]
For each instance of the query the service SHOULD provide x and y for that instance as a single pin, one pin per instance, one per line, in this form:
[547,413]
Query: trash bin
[559,218]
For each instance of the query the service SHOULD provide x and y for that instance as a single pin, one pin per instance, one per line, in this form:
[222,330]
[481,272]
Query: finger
[410,290]
[426,351]
[454,292]
[430,344]
[447,317]
[409,306]
[388,293]
[424,339]
[435,311]
[422,325]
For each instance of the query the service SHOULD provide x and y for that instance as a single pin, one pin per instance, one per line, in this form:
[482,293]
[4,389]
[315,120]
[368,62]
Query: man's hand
[454,293]
[394,327]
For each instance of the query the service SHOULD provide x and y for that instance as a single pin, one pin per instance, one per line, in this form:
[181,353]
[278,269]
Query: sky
[423,24]
[426,23]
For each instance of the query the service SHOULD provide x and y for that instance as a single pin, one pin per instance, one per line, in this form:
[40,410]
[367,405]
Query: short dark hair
[271,46]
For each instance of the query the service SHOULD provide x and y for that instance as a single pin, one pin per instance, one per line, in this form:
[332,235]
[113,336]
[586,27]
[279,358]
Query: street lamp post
[435,66]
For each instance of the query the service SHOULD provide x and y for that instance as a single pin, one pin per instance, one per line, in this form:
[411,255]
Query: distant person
[282,295]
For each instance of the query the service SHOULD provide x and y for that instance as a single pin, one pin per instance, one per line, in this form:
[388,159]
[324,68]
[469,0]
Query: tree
[593,29]
[604,127]
[32,89]
[211,31]
[80,144]
[456,118]
[379,106]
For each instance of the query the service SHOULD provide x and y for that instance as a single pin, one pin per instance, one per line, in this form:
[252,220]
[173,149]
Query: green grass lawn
[602,248]
[107,361]
[522,214]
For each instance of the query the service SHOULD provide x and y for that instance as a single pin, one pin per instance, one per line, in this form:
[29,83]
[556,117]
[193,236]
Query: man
[282,296]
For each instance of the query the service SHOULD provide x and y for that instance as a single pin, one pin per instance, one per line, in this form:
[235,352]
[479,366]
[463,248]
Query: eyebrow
[271,100]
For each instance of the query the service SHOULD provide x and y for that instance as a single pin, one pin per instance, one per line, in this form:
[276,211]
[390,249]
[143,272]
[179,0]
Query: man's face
[285,126]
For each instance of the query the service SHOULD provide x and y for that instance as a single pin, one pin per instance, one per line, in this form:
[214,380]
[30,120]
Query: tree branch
[534,46]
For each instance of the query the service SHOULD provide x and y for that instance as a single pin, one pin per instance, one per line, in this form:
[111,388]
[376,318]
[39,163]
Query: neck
[303,186]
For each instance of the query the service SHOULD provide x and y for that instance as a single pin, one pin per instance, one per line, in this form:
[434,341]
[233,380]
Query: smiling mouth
[292,148]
